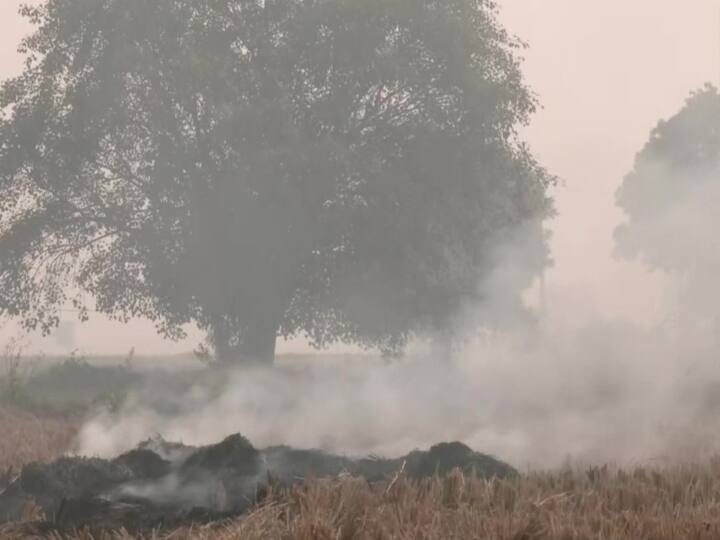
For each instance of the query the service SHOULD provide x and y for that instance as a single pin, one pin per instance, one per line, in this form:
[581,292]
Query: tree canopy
[672,201]
[334,168]
[672,195]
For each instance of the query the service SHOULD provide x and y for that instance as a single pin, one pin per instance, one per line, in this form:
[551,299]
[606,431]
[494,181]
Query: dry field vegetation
[677,502]
[27,437]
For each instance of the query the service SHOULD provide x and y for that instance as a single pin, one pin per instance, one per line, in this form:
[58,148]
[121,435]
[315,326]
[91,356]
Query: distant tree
[673,189]
[672,202]
[333,168]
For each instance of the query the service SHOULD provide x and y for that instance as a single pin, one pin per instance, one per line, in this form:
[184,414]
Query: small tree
[332,168]
[672,200]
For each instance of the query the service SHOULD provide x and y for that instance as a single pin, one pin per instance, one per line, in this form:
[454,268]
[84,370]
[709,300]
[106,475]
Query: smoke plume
[545,389]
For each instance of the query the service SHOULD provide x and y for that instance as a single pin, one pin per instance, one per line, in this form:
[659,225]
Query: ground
[673,503]
[669,502]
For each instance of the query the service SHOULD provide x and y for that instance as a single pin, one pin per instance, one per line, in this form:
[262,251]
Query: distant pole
[543,295]
[718,50]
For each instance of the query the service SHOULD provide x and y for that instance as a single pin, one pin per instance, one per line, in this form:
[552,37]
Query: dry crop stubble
[26,437]
[659,503]
[678,502]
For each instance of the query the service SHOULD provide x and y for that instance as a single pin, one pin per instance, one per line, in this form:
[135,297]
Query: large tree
[335,168]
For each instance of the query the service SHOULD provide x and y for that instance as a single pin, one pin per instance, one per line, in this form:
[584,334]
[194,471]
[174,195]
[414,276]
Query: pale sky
[605,71]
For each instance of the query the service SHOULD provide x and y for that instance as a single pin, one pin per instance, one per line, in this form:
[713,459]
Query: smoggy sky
[605,72]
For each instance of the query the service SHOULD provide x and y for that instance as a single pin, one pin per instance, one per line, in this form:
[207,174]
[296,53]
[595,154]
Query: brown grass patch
[25,438]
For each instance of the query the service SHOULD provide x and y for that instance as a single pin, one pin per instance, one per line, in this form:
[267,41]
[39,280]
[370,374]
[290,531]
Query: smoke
[608,392]
[173,491]
[534,388]
[677,232]
[536,394]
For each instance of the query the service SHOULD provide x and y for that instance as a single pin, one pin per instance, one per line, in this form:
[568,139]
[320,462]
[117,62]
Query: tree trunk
[250,344]
[220,341]
[442,347]
[258,342]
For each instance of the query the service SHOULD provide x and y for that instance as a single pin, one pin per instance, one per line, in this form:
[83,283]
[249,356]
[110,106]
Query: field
[667,503]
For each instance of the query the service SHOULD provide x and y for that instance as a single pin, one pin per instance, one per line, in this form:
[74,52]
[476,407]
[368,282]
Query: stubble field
[670,502]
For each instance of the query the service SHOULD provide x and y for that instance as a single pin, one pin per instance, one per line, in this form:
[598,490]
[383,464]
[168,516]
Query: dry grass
[680,503]
[25,437]
[676,502]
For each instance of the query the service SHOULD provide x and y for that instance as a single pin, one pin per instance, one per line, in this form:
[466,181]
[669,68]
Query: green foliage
[75,380]
[335,168]
[112,401]
[69,386]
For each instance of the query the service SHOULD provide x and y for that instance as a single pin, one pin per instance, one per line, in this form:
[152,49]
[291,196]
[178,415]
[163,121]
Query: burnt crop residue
[167,484]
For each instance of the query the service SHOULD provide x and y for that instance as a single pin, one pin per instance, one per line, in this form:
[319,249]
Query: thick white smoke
[554,387]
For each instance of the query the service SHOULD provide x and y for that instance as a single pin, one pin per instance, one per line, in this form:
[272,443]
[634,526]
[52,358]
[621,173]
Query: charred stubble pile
[161,485]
